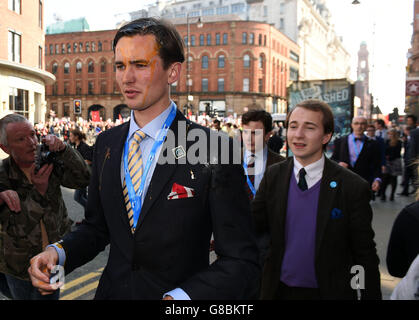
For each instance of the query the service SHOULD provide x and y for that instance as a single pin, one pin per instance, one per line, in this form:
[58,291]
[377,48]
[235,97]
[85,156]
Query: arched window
[246,61]
[91,67]
[68,48]
[87,47]
[103,66]
[221,61]
[66,67]
[205,62]
[93,46]
[79,66]
[261,62]
[54,68]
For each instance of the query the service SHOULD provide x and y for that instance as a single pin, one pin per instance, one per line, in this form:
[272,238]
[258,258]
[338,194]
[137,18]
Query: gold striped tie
[135,167]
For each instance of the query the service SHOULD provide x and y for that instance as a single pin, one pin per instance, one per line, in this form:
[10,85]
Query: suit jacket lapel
[283,194]
[162,173]
[116,151]
[328,192]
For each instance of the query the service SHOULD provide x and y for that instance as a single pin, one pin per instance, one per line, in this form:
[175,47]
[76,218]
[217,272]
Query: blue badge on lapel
[333,184]
[336,213]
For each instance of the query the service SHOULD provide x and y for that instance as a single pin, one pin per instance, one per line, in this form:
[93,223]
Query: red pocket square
[180,192]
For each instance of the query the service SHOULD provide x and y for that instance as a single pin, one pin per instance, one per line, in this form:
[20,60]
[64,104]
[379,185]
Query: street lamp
[188,63]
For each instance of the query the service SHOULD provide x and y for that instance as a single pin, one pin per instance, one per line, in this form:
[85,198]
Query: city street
[81,284]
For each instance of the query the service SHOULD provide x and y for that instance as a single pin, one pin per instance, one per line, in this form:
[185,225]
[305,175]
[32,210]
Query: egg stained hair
[170,43]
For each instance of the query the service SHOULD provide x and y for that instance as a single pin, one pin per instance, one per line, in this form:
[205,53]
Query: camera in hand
[44,156]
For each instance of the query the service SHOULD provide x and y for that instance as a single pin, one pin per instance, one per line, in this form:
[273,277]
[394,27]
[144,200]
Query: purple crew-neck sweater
[300,236]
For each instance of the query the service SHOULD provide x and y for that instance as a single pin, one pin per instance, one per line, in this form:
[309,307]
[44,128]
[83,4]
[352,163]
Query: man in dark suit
[257,129]
[359,154]
[319,218]
[159,234]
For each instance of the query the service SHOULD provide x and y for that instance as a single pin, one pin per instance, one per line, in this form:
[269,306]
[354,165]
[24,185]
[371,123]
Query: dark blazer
[170,247]
[273,158]
[368,164]
[341,242]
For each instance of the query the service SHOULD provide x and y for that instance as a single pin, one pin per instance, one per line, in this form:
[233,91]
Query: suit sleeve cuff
[61,253]
[177,294]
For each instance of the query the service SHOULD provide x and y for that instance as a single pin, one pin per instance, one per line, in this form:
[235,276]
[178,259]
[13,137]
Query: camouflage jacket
[20,233]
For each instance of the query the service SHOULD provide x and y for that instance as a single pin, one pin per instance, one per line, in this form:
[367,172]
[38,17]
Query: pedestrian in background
[318,216]
[393,167]
[360,154]
[77,139]
[32,209]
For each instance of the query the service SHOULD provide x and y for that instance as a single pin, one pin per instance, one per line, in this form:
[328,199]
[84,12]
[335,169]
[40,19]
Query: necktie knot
[251,160]
[302,183]
[138,136]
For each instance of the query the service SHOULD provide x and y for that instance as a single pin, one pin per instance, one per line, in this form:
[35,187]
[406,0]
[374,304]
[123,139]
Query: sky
[386,26]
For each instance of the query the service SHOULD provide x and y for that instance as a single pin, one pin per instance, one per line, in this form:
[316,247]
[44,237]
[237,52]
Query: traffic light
[77,106]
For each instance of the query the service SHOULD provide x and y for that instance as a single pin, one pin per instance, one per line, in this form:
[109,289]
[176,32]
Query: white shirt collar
[314,171]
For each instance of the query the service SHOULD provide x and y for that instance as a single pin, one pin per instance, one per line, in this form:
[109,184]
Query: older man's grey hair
[10,118]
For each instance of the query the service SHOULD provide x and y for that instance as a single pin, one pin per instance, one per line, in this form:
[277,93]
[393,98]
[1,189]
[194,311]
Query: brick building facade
[233,66]
[22,60]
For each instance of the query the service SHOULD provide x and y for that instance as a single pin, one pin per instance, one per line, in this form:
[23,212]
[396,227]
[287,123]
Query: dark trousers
[388,180]
[295,293]
[80,196]
[408,177]
[17,289]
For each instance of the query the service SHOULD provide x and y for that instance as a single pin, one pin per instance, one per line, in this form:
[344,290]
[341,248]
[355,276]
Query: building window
[15,5]
[260,85]
[99,46]
[185,41]
[103,66]
[294,56]
[244,38]
[90,87]
[91,67]
[261,62]
[246,83]
[54,68]
[103,87]
[260,39]
[264,40]
[62,48]
[193,41]
[19,101]
[54,108]
[54,89]
[93,47]
[222,10]
[75,47]
[201,40]
[87,47]
[204,85]
[78,88]
[217,39]
[66,88]
[293,74]
[246,61]
[67,68]
[68,48]
[281,23]
[221,61]
[66,109]
[40,56]
[220,86]
[40,14]
[237,8]
[79,66]
[208,12]
[225,38]
[51,49]
[14,47]
[80,47]
[208,39]
[205,62]
[252,38]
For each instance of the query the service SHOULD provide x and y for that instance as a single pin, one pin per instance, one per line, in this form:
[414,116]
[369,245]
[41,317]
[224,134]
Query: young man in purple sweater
[319,218]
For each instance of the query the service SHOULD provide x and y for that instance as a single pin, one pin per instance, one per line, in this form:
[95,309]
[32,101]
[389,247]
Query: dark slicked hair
[170,44]
[258,115]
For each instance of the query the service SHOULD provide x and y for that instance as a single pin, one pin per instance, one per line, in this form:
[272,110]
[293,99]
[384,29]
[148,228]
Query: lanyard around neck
[135,197]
